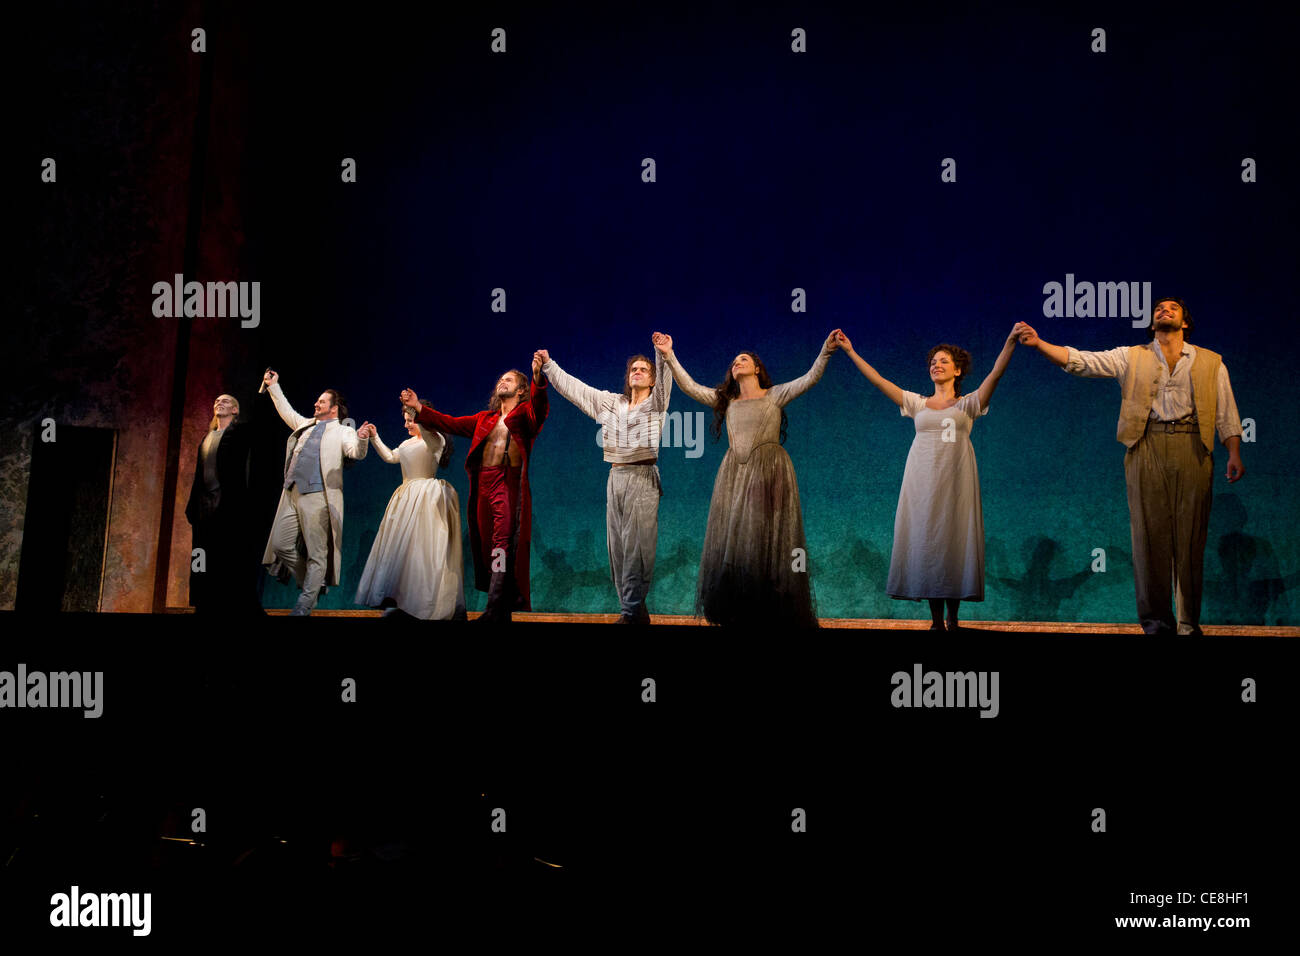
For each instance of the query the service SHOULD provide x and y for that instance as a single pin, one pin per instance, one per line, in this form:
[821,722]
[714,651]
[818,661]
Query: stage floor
[868,624]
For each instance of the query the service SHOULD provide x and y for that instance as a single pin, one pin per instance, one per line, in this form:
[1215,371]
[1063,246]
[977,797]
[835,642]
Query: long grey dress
[750,570]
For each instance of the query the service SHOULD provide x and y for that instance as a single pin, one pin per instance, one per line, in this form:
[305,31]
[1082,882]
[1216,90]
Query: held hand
[544,354]
[1027,334]
[270,378]
[843,341]
[537,364]
[410,400]
[833,340]
[1236,469]
[366,430]
[1014,337]
[662,343]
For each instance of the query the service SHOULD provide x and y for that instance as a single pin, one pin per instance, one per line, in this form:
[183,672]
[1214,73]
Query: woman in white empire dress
[939,528]
[416,561]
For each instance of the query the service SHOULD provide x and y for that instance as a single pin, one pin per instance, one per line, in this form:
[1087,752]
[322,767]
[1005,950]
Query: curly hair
[730,389]
[960,359]
[494,402]
[447,443]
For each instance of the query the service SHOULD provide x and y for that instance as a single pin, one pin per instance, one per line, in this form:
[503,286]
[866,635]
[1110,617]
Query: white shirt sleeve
[593,401]
[1226,418]
[970,404]
[912,403]
[1109,364]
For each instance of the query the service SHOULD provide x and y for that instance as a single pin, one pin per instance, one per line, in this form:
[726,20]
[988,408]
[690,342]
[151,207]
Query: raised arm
[1112,363]
[1056,354]
[892,391]
[990,383]
[291,418]
[539,402]
[663,389]
[787,392]
[590,400]
[426,416]
[664,346]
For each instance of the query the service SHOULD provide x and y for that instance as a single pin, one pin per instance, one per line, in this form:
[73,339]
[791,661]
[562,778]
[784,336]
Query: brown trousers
[1169,478]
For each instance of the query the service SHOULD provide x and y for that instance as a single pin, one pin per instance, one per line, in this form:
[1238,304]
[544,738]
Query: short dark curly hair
[960,358]
[1187,315]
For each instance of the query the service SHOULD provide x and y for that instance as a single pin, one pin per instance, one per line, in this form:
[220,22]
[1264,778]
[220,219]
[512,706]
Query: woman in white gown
[416,560]
[939,528]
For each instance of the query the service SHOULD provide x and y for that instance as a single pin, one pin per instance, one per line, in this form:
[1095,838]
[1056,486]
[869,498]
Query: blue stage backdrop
[777,171]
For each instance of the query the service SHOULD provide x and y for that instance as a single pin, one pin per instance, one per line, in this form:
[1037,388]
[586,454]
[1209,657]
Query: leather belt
[1170,428]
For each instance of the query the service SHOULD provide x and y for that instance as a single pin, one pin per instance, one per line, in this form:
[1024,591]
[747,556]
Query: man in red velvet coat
[500,505]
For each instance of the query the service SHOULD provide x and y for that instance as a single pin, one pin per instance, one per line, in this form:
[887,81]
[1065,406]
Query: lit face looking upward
[509,384]
[1168,316]
[641,375]
[225,405]
[743,365]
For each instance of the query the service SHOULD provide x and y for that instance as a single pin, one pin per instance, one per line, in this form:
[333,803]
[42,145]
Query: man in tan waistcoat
[1173,397]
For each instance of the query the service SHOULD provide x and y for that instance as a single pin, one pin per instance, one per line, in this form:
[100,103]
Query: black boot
[499,598]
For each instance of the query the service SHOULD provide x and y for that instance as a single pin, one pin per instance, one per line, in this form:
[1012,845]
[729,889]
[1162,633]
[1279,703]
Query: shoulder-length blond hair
[212,425]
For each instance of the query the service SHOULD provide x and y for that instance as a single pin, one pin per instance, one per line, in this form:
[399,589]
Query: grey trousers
[632,532]
[1169,478]
[309,518]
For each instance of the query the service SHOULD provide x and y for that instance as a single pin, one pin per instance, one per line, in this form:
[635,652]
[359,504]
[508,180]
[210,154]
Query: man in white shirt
[1174,397]
[631,425]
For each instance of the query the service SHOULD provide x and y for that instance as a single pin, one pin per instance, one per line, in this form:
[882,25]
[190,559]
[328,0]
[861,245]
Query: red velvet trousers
[498,503]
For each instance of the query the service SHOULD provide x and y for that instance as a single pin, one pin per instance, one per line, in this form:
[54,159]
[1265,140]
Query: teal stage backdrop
[1051,476]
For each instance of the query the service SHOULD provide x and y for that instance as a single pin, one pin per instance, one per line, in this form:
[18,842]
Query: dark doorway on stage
[65,527]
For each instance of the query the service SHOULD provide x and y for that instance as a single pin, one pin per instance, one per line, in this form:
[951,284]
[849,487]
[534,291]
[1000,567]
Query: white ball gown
[416,559]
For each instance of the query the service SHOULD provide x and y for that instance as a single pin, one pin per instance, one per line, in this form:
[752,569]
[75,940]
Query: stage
[659,621]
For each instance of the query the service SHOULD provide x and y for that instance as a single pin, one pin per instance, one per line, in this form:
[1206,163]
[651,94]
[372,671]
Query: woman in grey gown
[754,567]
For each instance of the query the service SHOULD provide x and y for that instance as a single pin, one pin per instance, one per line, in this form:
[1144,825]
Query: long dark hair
[730,389]
[447,443]
[960,361]
[494,403]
